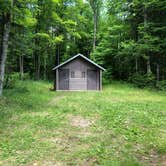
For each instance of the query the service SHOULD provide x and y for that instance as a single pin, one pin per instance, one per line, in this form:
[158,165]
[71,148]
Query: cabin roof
[76,56]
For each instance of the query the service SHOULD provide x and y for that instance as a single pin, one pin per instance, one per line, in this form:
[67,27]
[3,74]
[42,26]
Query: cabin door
[63,79]
[92,79]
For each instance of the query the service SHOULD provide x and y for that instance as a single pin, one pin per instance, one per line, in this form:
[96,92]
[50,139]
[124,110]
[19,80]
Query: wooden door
[92,79]
[63,79]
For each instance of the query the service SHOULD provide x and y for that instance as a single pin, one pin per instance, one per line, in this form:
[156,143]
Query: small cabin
[78,73]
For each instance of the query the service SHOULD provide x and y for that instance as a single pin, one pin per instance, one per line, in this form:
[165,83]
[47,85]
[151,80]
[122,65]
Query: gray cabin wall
[78,66]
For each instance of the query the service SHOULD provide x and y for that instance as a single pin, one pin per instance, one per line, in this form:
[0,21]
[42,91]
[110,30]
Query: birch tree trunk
[37,65]
[148,65]
[6,31]
[95,30]
[145,26]
[1,35]
[37,61]
[4,45]
[95,5]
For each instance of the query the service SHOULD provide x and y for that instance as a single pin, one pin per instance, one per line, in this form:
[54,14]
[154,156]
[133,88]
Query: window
[83,75]
[72,74]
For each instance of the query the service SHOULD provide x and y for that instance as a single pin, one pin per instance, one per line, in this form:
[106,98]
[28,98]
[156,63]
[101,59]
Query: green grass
[121,126]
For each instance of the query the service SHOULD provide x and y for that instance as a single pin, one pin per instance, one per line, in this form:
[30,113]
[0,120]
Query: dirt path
[78,121]
[57,98]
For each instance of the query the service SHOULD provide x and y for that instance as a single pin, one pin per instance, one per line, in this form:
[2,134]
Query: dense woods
[127,37]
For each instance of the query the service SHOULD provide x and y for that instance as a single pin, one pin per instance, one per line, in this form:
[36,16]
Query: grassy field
[121,126]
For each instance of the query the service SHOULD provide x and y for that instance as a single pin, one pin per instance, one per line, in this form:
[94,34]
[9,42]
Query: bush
[107,77]
[26,76]
[146,80]
[161,85]
[11,79]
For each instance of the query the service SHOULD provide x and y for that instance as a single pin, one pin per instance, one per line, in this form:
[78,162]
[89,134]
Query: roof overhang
[82,56]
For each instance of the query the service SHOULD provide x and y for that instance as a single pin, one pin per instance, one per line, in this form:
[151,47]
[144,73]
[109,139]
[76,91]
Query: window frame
[72,74]
[83,74]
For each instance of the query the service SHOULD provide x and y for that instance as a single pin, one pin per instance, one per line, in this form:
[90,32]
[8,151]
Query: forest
[127,37]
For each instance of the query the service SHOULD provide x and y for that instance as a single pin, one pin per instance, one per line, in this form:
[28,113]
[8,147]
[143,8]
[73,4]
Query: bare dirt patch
[41,114]
[46,163]
[154,159]
[78,121]
[88,162]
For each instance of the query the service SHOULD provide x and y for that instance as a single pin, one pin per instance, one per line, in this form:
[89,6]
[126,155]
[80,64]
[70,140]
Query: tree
[6,14]
[96,6]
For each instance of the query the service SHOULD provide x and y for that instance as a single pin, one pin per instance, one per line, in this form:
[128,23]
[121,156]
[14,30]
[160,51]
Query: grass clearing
[122,125]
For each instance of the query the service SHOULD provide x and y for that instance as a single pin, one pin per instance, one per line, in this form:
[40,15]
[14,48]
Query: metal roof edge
[84,57]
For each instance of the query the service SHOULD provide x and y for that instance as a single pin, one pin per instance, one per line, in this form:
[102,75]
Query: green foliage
[161,85]
[42,36]
[107,78]
[11,80]
[57,39]
[132,40]
[146,80]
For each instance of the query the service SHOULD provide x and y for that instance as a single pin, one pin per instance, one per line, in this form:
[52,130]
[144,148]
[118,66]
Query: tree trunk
[158,72]
[57,55]
[38,68]
[136,65]
[145,28]
[45,68]
[21,62]
[1,36]
[148,65]
[3,57]
[37,63]
[36,51]
[57,63]
[94,30]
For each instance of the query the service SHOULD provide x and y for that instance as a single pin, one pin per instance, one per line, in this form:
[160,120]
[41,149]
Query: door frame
[68,79]
[96,79]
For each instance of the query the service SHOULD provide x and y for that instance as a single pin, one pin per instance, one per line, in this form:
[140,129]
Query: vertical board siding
[78,66]
[64,79]
[92,79]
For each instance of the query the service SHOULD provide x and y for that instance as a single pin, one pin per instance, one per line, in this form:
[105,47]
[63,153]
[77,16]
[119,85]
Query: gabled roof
[76,56]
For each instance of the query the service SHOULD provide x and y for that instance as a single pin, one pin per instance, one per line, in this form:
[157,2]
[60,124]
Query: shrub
[26,76]
[161,85]
[146,80]
[107,77]
[11,79]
